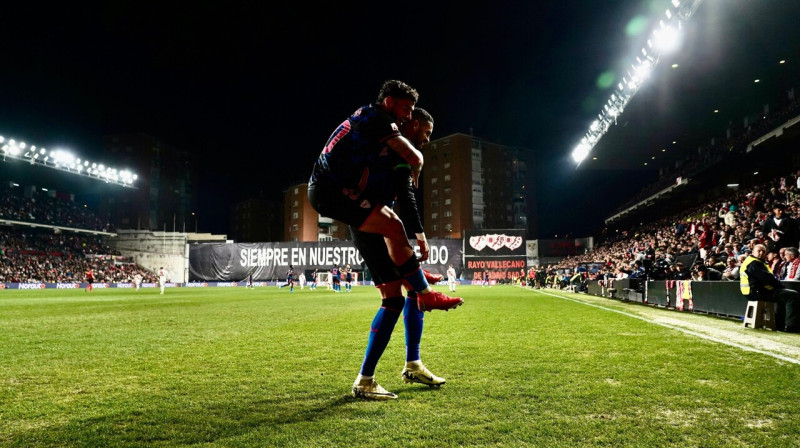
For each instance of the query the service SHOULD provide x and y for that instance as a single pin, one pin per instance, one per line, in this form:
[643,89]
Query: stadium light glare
[664,38]
[667,39]
[63,160]
[580,152]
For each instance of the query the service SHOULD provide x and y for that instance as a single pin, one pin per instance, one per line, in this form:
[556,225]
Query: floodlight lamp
[22,145]
[676,3]
[580,152]
[94,165]
[595,124]
[86,163]
[42,151]
[667,39]
[669,14]
[101,167]
[632,85]
[14,151]
[135,177]
[2,139]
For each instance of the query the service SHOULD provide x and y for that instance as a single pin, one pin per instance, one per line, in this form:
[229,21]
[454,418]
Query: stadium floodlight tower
[665,38]
[62,160]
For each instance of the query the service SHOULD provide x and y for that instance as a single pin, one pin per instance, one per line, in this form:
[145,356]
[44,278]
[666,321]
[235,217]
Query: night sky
[256,89]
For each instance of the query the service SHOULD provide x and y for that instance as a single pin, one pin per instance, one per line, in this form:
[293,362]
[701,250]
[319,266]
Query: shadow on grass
[175,425]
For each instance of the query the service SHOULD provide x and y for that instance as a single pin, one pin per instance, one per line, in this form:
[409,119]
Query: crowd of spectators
[29,204]
[709,242]
[29,255]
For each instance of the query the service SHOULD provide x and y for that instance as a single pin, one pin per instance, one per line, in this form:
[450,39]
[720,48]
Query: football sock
[412,273]
[379,334]
[413,319]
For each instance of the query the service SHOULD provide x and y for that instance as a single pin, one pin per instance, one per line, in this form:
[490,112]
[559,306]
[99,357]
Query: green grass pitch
[265,367]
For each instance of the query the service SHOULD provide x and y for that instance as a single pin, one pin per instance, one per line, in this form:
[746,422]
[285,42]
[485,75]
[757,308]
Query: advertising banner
[233,262]
[501,253]
[564,248]
[80,285]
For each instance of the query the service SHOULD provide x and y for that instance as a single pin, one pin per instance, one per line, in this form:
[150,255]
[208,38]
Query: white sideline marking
[684,330]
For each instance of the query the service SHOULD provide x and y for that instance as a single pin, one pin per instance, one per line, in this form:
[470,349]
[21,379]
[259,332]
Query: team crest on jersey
[365,204]
[394,127]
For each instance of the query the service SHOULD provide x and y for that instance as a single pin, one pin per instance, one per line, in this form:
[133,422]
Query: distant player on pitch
[89,280]
[137,280]
[162,278]
[451,278]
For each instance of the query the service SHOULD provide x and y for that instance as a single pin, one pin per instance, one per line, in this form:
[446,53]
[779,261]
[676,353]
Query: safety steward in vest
[758,283]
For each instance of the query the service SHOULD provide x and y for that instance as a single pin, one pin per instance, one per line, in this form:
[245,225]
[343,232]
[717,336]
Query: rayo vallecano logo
[495,241]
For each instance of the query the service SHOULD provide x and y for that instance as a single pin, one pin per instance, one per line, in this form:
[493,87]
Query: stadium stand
[704,232]
[30,253]
[26,204]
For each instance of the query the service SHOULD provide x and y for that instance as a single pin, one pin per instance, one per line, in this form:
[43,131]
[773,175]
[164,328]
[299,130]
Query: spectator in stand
[792,262]
[780,229]
[637,270]
[704,273]
[678,272]
[731,272]
[711,262]
[730,216]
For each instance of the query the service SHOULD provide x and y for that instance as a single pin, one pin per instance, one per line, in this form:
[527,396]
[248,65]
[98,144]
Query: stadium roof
[727,69]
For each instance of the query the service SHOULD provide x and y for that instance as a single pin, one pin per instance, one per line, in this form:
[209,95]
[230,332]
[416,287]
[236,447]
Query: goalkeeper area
[263,367]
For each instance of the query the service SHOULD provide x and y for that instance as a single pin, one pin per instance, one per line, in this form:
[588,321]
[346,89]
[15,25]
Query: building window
[446,165]
[434,203]
[434,180]
[334,228]
[435,227]
[434,215]
[295,215]
[294,204]
[448,201]
[446,190]
[447,178]
[434,193]
[296,190]
[295,227]
[448,213]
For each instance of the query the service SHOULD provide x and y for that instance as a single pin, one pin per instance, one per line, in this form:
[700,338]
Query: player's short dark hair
[397,89]
[421,114]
